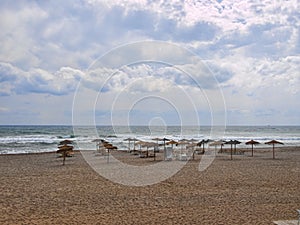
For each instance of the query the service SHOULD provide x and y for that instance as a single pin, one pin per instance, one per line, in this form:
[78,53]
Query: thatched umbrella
[232,142]
[109,147]
[252,142]
[164,140]
[203,142]
[172,142]
[129,140]
[64,150]
[217,143]
[98,140]
[182,143]
[274,142]
[140,143]
[65,142]
[134,140]
[156,139]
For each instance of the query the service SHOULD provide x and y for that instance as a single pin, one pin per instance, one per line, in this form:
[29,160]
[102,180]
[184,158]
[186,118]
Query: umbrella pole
[252,151]
[64,157]
[273,151]
[231,152]
[107,155]
[165,151]
[147,152]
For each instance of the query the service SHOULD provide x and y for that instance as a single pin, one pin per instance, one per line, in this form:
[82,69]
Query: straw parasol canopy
[97,140]
[183,142]
[140,143]
[172,142]
[217,143]
[236,142]
[252,142]
[232,142]
[203,142]
[66,142]
[193,140]
[274,142]
[156,139]
[129,140]
[64,148]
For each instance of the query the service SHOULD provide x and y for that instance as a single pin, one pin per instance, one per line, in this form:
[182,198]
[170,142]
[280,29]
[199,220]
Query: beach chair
[169,154]
[183,157]
[143,154]
[298,210]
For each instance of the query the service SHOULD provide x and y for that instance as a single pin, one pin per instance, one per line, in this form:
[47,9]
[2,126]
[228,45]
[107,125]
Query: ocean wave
[44,139]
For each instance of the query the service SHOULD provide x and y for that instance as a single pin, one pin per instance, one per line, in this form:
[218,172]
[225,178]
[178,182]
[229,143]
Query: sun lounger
[169,154]
[183,157]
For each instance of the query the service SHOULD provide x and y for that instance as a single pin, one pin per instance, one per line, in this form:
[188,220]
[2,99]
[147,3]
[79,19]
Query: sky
[142,62]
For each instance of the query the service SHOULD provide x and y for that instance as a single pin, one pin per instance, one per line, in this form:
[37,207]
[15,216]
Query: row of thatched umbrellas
[193,142]
[202,143]
[251,142]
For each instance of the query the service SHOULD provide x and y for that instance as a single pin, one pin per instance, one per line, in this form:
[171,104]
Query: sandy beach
[37,189]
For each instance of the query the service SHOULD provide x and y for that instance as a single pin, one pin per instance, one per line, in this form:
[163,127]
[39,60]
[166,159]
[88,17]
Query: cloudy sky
[150,62]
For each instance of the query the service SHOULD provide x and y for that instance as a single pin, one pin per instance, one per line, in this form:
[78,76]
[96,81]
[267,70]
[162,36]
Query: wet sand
[37,189]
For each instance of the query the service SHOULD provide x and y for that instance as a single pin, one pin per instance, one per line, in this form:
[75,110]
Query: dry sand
[37,189]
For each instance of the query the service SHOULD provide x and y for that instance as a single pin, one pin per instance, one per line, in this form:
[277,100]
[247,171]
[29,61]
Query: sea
[34,139]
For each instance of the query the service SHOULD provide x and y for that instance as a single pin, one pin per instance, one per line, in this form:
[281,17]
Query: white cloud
[16,81]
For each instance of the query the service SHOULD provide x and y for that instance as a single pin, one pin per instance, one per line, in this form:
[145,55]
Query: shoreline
[227,147]
[37,189]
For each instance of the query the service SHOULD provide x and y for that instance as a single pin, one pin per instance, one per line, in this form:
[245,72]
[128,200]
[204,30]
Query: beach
[38,189]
